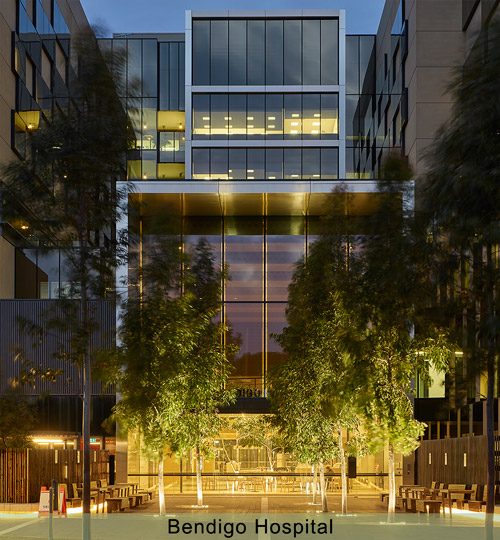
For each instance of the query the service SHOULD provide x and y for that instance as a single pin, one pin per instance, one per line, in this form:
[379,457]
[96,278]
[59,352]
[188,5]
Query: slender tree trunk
[199,483]
[391,509]
[161,483]
[343,473]
[314,479]
[322,487]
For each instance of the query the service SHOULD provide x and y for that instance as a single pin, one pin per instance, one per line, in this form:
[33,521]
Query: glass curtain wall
[265,116]
[261,254]
[265,163]
[265,52]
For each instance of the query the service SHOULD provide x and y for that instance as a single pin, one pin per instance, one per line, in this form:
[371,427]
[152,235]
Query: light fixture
[295,124]
[249,117]
[230,170]
[228,117]
[271,117]
[446,458]
[145,176]
[317,115]
[316,123]
[250,170]
[295,115]
[315,132]
[47,440]
[207,126]
[24,227]
[250,177]
[315,175]
[430,458]
[145,126]
[250,126]
[30,126]
[271,126]
[293,132]
[295,175]
[465,459]
[272,177]
[206,118]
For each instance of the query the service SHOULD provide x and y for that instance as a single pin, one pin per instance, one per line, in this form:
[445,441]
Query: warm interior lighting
[250,117]
[24,227]
[43,440]
[250,170]
[271,117]
[27,120]
[295,115]
[172,120]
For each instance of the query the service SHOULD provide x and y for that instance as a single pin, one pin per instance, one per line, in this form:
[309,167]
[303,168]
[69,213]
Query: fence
[458,460]
[23,472]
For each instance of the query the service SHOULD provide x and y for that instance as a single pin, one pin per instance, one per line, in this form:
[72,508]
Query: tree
[172,365]
[17,419]
[315,393]
[461,195]
[65,193]
[393,291]
[260,431]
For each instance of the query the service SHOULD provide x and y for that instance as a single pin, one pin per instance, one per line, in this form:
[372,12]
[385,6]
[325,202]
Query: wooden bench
[118,500]
[429,506]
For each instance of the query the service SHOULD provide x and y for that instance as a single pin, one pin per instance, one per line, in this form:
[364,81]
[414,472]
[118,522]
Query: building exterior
[243,123]
[38,63]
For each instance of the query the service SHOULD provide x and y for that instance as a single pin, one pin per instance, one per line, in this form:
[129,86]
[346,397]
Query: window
[60,62]
[265,52]
[46,70]
[271,116]
[264,163]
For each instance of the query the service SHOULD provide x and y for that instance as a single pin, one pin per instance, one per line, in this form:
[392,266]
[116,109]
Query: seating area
[109,498]
[440,496]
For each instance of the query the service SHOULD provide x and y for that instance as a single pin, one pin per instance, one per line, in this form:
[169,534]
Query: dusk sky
[168,15]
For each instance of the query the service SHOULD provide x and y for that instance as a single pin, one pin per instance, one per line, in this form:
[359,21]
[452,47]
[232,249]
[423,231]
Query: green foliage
[172,366]
[17,419]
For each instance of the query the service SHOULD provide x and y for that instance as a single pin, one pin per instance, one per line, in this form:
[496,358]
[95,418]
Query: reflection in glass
[201,164]
[218,164]
[283,253]
[201,116]
[274,163]
[244,256]
[274,52]
[237,52]
[311,163]
[237,164]
[255,51]
[246,324]
[329,51]
[292,51]
[329,163]
[218,51]
[149,68]
[255,164]
[276,322]
[201,52]
[292,163]
[311,51]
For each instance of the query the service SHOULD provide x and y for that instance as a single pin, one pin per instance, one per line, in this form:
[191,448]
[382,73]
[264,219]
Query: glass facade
[261,253]
[271,51]
[265,116]
[265,163]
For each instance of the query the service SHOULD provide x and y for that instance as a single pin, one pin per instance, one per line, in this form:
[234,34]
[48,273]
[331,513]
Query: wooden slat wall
[454,472]
[23,472]
[13,476]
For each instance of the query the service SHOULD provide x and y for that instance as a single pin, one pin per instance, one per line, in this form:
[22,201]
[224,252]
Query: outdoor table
[447,496]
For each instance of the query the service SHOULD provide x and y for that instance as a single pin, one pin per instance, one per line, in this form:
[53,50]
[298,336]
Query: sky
[124,16]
